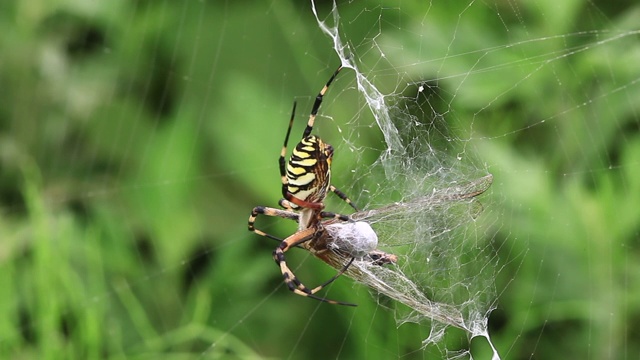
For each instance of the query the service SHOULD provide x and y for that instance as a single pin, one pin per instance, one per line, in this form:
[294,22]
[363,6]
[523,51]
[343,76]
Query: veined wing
[436,213]
[438,197]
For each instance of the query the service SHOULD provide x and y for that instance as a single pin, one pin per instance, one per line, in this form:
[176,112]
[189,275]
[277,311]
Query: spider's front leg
[293,284]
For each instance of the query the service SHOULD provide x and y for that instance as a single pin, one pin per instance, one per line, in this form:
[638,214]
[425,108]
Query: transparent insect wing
[405,222]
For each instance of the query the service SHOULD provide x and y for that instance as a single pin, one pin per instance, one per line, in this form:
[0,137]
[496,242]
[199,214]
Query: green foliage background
[135,137]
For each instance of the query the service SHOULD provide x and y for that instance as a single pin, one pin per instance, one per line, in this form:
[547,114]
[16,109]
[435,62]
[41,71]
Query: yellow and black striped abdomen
[308,170]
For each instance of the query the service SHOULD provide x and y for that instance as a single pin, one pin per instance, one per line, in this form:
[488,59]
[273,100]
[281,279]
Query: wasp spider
[305,184]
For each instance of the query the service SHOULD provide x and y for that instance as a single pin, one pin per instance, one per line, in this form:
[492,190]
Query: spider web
[136,136]
[445,271]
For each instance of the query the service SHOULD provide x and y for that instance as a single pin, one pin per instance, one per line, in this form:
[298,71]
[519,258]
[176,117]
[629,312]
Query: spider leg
[334,216]
[282,162]
[262,210]
[295,285]
[337,275]
[317,103]
[343,196]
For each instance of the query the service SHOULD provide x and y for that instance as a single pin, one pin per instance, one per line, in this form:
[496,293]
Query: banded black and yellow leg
[343,196]
[286,204]
[282,162]
[336,216]
[292,282]
[317,103]
[262,210]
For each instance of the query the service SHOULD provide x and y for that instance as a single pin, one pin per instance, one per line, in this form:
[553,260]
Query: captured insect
[401,226]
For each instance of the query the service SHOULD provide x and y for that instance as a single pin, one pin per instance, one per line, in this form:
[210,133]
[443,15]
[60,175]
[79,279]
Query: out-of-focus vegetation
[135,137]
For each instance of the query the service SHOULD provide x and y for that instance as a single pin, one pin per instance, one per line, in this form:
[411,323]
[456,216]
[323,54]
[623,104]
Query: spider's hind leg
[293,284]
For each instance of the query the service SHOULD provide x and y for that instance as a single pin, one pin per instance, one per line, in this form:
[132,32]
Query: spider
[305,184]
